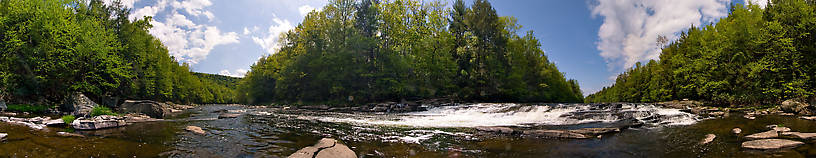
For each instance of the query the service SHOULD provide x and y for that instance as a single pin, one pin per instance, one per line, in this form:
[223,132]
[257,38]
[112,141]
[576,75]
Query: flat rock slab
[800,135]
[493,129]
[325,148]
[555,134]
[228,115]
[196,130]
[770,144]
[99,122]
[809,117]
[764,135]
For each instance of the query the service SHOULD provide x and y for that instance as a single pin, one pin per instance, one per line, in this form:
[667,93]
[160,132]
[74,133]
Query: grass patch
[101,110]
[28,108]
[68,119]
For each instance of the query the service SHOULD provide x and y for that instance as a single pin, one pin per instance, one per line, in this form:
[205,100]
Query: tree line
[51,49]
[754,56]
[365,51]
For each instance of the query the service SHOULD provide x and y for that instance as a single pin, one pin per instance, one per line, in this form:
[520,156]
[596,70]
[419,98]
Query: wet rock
[555,134]
[66,134]
[3,136]
[595,131]
[98,122]
[196,130]
[494,129]
[147,107]
[800,135]
[770,144]
[750,117]
[228,115]
[135,118]
[797,107]
[764,135]
[78,104]
[809,118]
[627,123]
[736,130]
[708,138]
[325,148]
[54,122]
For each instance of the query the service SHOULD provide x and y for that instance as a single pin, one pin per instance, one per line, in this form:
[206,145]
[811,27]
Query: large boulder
[797,107]
[99,122]
[770,144]
[78,104]
[147,107]
[325,148]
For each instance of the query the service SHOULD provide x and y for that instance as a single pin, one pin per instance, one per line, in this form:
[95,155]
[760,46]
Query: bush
[101,110]
[68,119]
[28,108]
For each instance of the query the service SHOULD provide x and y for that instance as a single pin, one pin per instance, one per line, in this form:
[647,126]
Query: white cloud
[305,9]
[631,27]
[237,73]
[246,31]
[270,42]
[760,3]
[126,3]
[186,40]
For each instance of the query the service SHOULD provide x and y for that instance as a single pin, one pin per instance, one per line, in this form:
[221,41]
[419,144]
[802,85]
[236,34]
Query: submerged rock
[196,130]
[147,107]
[770,144]
[99,122]
[66,134]
[325,148]
[708,138]
[764,135]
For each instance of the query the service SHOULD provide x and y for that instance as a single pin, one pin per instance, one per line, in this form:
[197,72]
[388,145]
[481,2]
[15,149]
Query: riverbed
[439,132]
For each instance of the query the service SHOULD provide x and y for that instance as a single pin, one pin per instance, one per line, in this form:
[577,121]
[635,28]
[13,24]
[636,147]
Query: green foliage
[54,48]
[358,52]
[101,110]
[68,119]
[754,56]
[28,108]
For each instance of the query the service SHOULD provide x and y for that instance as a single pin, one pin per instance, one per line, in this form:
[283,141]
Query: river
[438,132]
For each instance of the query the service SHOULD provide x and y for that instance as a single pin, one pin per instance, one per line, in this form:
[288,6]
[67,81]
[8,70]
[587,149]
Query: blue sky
[589,40]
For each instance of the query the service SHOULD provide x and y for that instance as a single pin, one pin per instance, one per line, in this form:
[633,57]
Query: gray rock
[99,122]
[764,135]
[78,104]
[196,130]
[147,107]
[708,138]
[800,135]
[228,115]
[325,148]
[770,144]
[379,109]
[736,130]
[595,131]
[809,118]
[555,134]
[3,136]
[54,122]
[796,107]
[494,129]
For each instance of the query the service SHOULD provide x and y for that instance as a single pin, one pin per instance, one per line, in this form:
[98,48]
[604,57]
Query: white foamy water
[492,114]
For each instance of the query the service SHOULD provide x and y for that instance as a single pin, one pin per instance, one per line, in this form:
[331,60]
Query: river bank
[437,132]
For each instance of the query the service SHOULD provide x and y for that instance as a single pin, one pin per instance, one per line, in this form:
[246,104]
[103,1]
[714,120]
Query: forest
[754,56]
[54,48]
[366,51]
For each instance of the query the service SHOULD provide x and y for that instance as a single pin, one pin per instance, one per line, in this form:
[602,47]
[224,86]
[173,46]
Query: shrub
[101,110]
[28,108]
[68,119]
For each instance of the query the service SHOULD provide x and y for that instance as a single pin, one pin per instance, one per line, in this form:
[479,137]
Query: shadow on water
[263,132]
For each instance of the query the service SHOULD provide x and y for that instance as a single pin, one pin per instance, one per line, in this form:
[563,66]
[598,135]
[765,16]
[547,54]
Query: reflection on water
[439,132]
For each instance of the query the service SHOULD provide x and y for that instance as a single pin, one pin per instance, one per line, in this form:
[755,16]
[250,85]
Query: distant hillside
[227,81]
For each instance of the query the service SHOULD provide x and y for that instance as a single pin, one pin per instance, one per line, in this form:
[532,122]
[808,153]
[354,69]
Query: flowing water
[438,132]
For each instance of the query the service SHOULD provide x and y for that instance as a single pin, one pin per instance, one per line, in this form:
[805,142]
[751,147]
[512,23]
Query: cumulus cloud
[270,42]
[630,27]
[185,39]
[237,73]
[760,3]
[126,3]
[305,9]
